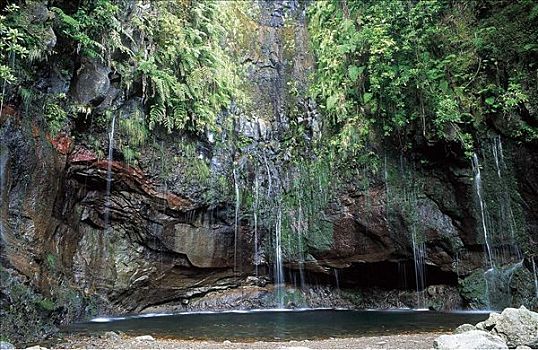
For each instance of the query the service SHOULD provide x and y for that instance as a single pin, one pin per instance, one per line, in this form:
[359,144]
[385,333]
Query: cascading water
[336,279]
[508,222]
[109,172]
[419,255]
[482,205]
[535,277]
[301,247]
[236,219]
[255,215]
[502,252]
[279,269]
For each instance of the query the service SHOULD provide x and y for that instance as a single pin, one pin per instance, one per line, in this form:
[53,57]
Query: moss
[523,290]
[474,291]
[294,297]
[46,304]
[353,296]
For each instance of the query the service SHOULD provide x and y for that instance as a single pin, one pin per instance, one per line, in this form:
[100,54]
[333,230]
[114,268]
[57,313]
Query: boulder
[464,328]
[469,340]
[516,326]
[92,83]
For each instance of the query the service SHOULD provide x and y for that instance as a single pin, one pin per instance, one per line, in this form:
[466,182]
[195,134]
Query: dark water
[281,325]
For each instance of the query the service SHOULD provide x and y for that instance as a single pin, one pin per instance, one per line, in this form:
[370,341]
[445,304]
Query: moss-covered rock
[474,290]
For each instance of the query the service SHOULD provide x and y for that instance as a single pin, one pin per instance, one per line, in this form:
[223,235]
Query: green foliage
[54,113]
[92,27]
[190,76]
[429,68]
[133,133]
[22,43]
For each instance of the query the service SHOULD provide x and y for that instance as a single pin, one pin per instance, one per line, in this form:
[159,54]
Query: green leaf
[354,72]
[490,100]
[444,86]
[367,97]
[331,101]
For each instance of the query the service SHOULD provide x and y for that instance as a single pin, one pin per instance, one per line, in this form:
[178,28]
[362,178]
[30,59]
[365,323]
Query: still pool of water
[280,325]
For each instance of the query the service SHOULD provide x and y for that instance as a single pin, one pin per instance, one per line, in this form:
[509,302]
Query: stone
[226,342]
[39,12]
[469,340]
[112,335]
[464,328]
[6,345]
[91,83]
[523,347]
[516,326]
[145,338]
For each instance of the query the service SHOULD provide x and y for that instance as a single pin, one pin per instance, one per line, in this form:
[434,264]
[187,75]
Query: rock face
[71,248]
[469,340]
[516,326]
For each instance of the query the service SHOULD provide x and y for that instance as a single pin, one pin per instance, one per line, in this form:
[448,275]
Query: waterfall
[236,221]
[337,279]
[419,255]
[505,203]
[478,189]
[535,277]
[256,205]
[301,253]
[109,172]
[497,154]
[279,269]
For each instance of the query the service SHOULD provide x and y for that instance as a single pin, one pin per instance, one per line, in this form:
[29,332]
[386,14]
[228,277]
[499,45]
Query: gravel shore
[402,341]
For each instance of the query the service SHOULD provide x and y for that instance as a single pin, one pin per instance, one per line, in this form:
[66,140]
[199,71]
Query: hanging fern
[191,78]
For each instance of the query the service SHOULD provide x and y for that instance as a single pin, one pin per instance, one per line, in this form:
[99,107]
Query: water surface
[280,325]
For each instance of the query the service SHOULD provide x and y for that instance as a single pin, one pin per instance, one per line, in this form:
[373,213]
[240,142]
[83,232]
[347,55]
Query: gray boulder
[91,83]
[515,326]
[464,328]
[469,340]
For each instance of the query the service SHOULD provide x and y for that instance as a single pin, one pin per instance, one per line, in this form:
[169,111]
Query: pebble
[111,335]
[145,338]
[226,342]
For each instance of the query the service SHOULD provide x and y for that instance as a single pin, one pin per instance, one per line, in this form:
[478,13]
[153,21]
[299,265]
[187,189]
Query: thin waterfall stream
[236,217]
[535,276]
[109,172]
[255,215]
[478,189]
[279,267]
[419,251]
